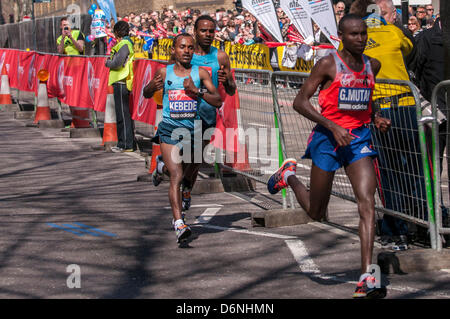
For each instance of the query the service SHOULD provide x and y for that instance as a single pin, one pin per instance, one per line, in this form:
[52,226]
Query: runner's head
[204,30]
[352,31]
[183,49]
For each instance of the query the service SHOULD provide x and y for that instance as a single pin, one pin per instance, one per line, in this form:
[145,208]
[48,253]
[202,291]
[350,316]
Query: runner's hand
[381,123]
[222,75]
[157,83]
[189,85]
[342,136]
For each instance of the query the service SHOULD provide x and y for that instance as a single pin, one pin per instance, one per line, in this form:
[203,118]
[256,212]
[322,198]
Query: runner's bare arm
[381,123]
[322,73]
[156,84]
[224,74]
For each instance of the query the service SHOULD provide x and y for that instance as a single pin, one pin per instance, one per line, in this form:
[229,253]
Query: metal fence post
[426,169]
[280,136]
[436,162]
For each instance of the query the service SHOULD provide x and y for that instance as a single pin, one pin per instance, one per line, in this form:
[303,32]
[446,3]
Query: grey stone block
[280,217]
[208,186]
[413,260]
[23,115]
[51,124]
[9,107]
[84,132]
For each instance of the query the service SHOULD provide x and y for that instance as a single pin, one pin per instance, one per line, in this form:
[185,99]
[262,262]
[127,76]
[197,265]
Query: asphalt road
[63,204]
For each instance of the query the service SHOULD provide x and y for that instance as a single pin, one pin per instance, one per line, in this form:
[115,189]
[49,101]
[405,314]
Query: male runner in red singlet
[341,138]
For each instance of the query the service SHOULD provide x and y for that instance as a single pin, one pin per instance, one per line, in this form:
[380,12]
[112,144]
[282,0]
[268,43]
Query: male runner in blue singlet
[217,63]
[181,84]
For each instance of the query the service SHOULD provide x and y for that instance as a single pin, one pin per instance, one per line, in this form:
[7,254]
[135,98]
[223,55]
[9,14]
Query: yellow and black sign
[162,50]
[139,48]
[255,56]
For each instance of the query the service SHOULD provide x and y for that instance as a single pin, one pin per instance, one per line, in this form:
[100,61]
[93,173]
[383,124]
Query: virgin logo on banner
[10,62]
[321,11]
[264,11]
[299,17]
[26,71]
[96,78]
[142,109]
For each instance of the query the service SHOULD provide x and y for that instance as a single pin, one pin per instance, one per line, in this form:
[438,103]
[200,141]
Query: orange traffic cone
[156,150]
[5,91]
[110,125]
[43,107]
[80,117]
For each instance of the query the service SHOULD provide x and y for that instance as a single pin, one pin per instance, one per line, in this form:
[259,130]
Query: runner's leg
[314,201]
[175,169]
[362,177]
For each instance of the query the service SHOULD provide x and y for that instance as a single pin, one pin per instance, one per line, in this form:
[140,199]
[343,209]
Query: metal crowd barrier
[440,134]
[405,187]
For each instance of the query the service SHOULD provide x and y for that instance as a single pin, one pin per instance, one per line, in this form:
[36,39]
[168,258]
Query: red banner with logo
[96,83]
[142,109]
[83,82]
[26,71]
[10,58]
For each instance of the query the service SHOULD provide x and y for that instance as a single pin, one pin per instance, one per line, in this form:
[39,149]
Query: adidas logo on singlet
[371,44]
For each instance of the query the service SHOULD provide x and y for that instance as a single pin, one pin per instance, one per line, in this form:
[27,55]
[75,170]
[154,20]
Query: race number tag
[182,105]
[354,99]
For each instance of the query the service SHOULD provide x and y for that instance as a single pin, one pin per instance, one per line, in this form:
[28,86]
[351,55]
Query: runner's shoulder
[222,56]
[326,65]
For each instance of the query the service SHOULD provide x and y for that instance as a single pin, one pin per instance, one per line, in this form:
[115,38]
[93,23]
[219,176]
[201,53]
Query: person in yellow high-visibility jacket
[70,42]
[121,78]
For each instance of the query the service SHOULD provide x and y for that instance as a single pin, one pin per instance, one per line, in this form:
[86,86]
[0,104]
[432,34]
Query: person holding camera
[70,42]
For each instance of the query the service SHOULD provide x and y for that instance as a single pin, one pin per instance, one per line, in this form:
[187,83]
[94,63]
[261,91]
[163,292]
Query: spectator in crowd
[430,11]
[70,42]
[238,5]
[421,14]
[238,21]
[121,78]
[414,26]
[339,10]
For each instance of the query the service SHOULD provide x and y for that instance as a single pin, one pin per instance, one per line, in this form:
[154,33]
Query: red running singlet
[348,100]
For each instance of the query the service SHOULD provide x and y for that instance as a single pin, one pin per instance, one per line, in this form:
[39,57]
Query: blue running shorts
[325,153]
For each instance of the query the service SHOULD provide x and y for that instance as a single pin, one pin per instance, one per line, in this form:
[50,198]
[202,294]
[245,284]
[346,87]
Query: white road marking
[301,256]
[249,232]
[199,206]
[207,215]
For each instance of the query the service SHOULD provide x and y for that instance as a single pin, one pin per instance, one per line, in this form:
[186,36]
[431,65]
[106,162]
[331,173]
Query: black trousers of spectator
[125,125]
